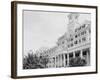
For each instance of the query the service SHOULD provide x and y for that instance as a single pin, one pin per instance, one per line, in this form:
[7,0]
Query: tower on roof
[73,22]
[73,17]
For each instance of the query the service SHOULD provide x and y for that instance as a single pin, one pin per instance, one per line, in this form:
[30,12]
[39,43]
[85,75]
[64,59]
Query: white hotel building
[74,43]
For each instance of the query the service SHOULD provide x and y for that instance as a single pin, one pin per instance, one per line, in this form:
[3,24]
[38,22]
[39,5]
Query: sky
[41,29]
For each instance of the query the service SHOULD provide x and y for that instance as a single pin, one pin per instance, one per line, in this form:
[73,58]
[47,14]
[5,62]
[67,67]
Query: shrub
[78,61]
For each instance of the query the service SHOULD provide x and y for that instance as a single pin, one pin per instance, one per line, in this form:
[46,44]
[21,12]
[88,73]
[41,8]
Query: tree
[32,61]
[44,60]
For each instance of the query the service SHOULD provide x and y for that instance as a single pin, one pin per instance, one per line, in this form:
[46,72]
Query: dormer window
[75,36]
[83,26]
[63,42]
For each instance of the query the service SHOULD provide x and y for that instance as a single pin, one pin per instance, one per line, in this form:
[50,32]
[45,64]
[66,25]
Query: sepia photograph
[53,39]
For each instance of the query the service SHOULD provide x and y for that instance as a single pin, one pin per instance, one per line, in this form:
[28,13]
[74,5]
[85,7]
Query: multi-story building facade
[76,42]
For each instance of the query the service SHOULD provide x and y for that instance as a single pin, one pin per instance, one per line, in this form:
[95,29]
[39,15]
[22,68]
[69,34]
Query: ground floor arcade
[63,59]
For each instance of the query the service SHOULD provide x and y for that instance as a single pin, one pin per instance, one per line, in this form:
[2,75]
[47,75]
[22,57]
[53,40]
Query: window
[68,40]
[84,39]
[75,42]
[75,30]
[82,33]
[71,44]
[79,28]
[70,35]
[71,39]
[78,35]
[83,26]
[89,30]
[63,42]
[85,32]
[75,36]
[79,40]
[58,44]
[68,46]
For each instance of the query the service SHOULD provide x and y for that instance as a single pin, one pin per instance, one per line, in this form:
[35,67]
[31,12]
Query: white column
[73,54]
[81,53]
[55,61]
[60,60]
[52,62]
[87,58]
[64,60]
[67,59]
